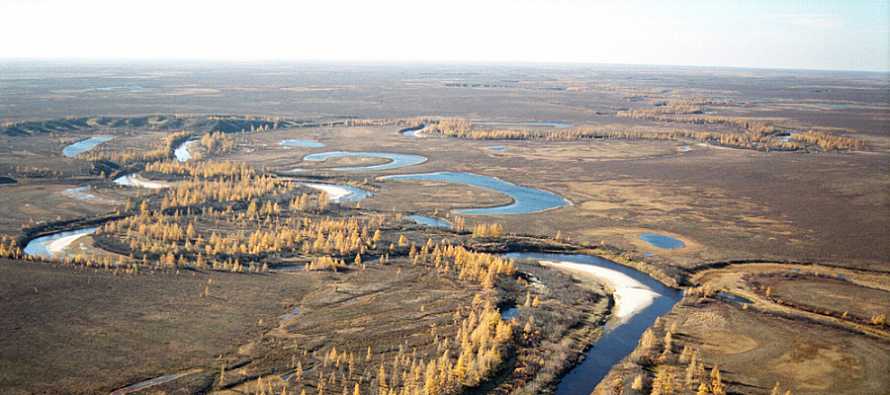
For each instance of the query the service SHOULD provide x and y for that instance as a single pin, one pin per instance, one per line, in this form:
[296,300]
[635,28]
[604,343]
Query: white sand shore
[137,181]
[334,192]
[631,296]
[55,247]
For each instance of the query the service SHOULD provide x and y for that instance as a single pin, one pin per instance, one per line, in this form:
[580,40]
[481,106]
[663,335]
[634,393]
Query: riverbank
[630,296]
[136,181]
[334,192]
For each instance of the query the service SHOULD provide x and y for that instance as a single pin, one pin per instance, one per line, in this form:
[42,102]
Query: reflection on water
[38,246]
[354,193]
[662,241]
[735,298]
[182,153]
[81,194]
[415,132]
[420,219]
[301,143]
[526,200]
[554,124]
[84,145]
[621,340]
[398,160]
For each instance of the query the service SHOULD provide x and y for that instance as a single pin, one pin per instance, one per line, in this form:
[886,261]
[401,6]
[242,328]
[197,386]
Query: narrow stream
[620,338]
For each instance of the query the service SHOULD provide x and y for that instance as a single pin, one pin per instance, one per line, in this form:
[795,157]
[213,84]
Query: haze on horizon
[820,35]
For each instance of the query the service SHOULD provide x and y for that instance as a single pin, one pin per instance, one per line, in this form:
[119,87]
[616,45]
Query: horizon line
[86,60]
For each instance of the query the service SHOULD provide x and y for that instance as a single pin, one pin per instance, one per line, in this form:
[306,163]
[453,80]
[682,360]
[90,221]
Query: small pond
[398,160]
[84,145]
[301,143]
[510,313]
[526,200]
[735,298]
[182,152]
[499,149]
[662,241]
[80,193]
[420,219]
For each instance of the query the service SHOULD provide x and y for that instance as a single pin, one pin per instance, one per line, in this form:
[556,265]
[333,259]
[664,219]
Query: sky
[786,34]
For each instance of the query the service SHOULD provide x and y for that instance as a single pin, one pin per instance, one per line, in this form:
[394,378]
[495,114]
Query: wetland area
[469,229]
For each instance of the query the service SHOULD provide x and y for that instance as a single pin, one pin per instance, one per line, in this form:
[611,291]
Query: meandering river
[525,200]
[640,299]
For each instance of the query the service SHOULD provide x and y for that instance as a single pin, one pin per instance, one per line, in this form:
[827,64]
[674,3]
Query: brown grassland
[776,182]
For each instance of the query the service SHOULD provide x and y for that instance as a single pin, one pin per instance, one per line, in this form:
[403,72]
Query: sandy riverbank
[57,247]
[334,192]
[136,181]
[631,296]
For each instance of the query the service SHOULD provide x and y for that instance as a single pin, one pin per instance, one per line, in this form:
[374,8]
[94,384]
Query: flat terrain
[802,357]
[802,231]
[94,331]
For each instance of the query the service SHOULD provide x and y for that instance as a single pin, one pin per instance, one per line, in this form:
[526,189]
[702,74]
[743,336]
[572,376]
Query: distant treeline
[756,135]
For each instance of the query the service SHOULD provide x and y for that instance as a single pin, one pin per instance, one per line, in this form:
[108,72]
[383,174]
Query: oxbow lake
[525,200]
[83,146]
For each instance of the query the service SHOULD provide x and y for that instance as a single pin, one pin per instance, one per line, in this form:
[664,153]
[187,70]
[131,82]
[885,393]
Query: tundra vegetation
[245,280]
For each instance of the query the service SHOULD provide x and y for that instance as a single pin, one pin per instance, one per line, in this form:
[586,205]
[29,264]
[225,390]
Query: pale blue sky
[831,35]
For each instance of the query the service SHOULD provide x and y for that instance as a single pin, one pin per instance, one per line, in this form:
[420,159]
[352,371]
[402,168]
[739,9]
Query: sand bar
[334,192]
[136,181]
[631,296]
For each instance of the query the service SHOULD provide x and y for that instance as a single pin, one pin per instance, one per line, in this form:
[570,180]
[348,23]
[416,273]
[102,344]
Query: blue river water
[38,249]
[182,152]
[301,143]
[526,200]
[618,341]
[398,160]
[414,132]
[554,124]
[354,193]
[420,219]
[84,145]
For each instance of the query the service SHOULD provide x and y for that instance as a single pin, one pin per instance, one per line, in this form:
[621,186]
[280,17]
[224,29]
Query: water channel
[622,332]
[414,132]
[398,160]
[301,143]
[553,124]
[182,152]
[428,221]
[46,246]
[525,200]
